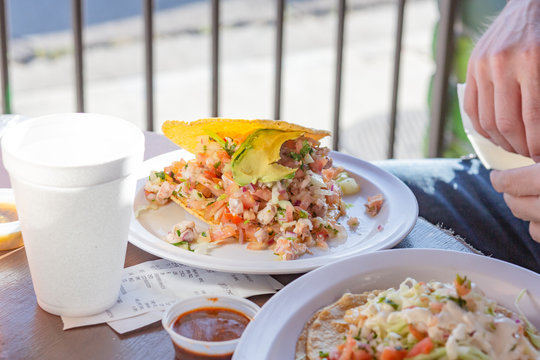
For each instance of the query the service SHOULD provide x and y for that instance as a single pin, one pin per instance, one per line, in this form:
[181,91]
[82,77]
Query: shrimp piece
[266,215]
[236,207]
[249,215]
[320,208]
[183,231]
[289,249]
[164,193]
[222,232]
[303,227]
[353,222]
[261,235]
[152,187]
[374,204]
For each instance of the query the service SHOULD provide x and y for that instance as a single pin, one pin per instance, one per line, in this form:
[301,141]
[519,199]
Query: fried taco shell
[328,328]
[185,134]
[197,213]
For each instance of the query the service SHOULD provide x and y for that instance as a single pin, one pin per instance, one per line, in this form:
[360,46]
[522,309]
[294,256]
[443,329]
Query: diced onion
[317,180]
[323,192]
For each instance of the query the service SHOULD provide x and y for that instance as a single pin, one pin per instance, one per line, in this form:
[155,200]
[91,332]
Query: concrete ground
[42,69]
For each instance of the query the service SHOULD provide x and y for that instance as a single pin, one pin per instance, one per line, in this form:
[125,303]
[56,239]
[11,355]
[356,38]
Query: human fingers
[534,230]
[524,207]
[530,90]
[470,104]
[508,119]
[486,111]
[524,181]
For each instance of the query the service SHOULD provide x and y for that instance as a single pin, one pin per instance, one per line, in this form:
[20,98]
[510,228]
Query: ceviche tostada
[268,184]
[420,321]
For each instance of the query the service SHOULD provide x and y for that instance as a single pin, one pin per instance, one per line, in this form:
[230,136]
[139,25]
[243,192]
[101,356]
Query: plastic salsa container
[208,327]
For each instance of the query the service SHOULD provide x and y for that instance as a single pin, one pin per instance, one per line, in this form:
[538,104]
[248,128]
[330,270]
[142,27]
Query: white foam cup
[74,183]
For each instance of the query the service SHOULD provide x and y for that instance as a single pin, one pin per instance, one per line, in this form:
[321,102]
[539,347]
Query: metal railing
[440,96]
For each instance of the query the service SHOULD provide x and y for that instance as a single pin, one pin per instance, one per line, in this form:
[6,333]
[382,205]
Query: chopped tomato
[361,354]
[317,165]
[393,354]
[235,219]
[422,347]
[209,174]
[419,335]
[347,352]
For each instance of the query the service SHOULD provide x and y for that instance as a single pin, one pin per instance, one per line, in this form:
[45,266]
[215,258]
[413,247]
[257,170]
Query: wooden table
[28,332]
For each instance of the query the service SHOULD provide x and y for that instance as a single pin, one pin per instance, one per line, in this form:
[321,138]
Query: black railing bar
[339,65]
[4,72]
[77,23]
[215,57]
[148,9]
[439,105]
[278,59]
[395,85]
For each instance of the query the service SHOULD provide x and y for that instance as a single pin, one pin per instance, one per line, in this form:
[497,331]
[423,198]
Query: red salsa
[208,324]
[211,324]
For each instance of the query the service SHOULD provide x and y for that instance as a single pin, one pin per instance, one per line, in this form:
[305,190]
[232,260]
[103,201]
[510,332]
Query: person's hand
[521,188]
[502,96]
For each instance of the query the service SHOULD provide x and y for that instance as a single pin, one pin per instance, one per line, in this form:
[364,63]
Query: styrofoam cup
[74,189]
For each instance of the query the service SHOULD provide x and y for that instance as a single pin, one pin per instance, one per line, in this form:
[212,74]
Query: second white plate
[396,219]
[282,318]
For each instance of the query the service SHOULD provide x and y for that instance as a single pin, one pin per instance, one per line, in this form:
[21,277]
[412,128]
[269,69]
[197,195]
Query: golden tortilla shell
[184,134]
[197,213]
[328,329]
[302,339]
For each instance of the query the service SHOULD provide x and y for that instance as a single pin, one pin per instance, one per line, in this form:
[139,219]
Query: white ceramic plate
[392,224]
[282,318]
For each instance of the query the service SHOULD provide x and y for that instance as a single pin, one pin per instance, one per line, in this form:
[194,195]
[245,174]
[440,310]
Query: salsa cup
[187,348]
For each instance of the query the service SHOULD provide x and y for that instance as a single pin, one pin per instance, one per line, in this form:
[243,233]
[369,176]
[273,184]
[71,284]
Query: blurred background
[41,77]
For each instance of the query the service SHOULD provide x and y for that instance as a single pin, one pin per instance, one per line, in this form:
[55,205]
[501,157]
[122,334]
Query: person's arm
[502,96]
[502,99]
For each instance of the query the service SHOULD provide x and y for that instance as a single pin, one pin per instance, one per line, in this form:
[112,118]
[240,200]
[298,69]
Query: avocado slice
[256,158]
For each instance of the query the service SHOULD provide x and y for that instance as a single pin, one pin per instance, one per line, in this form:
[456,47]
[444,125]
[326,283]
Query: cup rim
[121,159]
[10,137]
[166,321]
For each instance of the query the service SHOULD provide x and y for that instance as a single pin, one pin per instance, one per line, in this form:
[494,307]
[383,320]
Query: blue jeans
[457,195]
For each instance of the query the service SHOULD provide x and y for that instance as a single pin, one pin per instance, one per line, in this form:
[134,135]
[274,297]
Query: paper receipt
[156,285]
